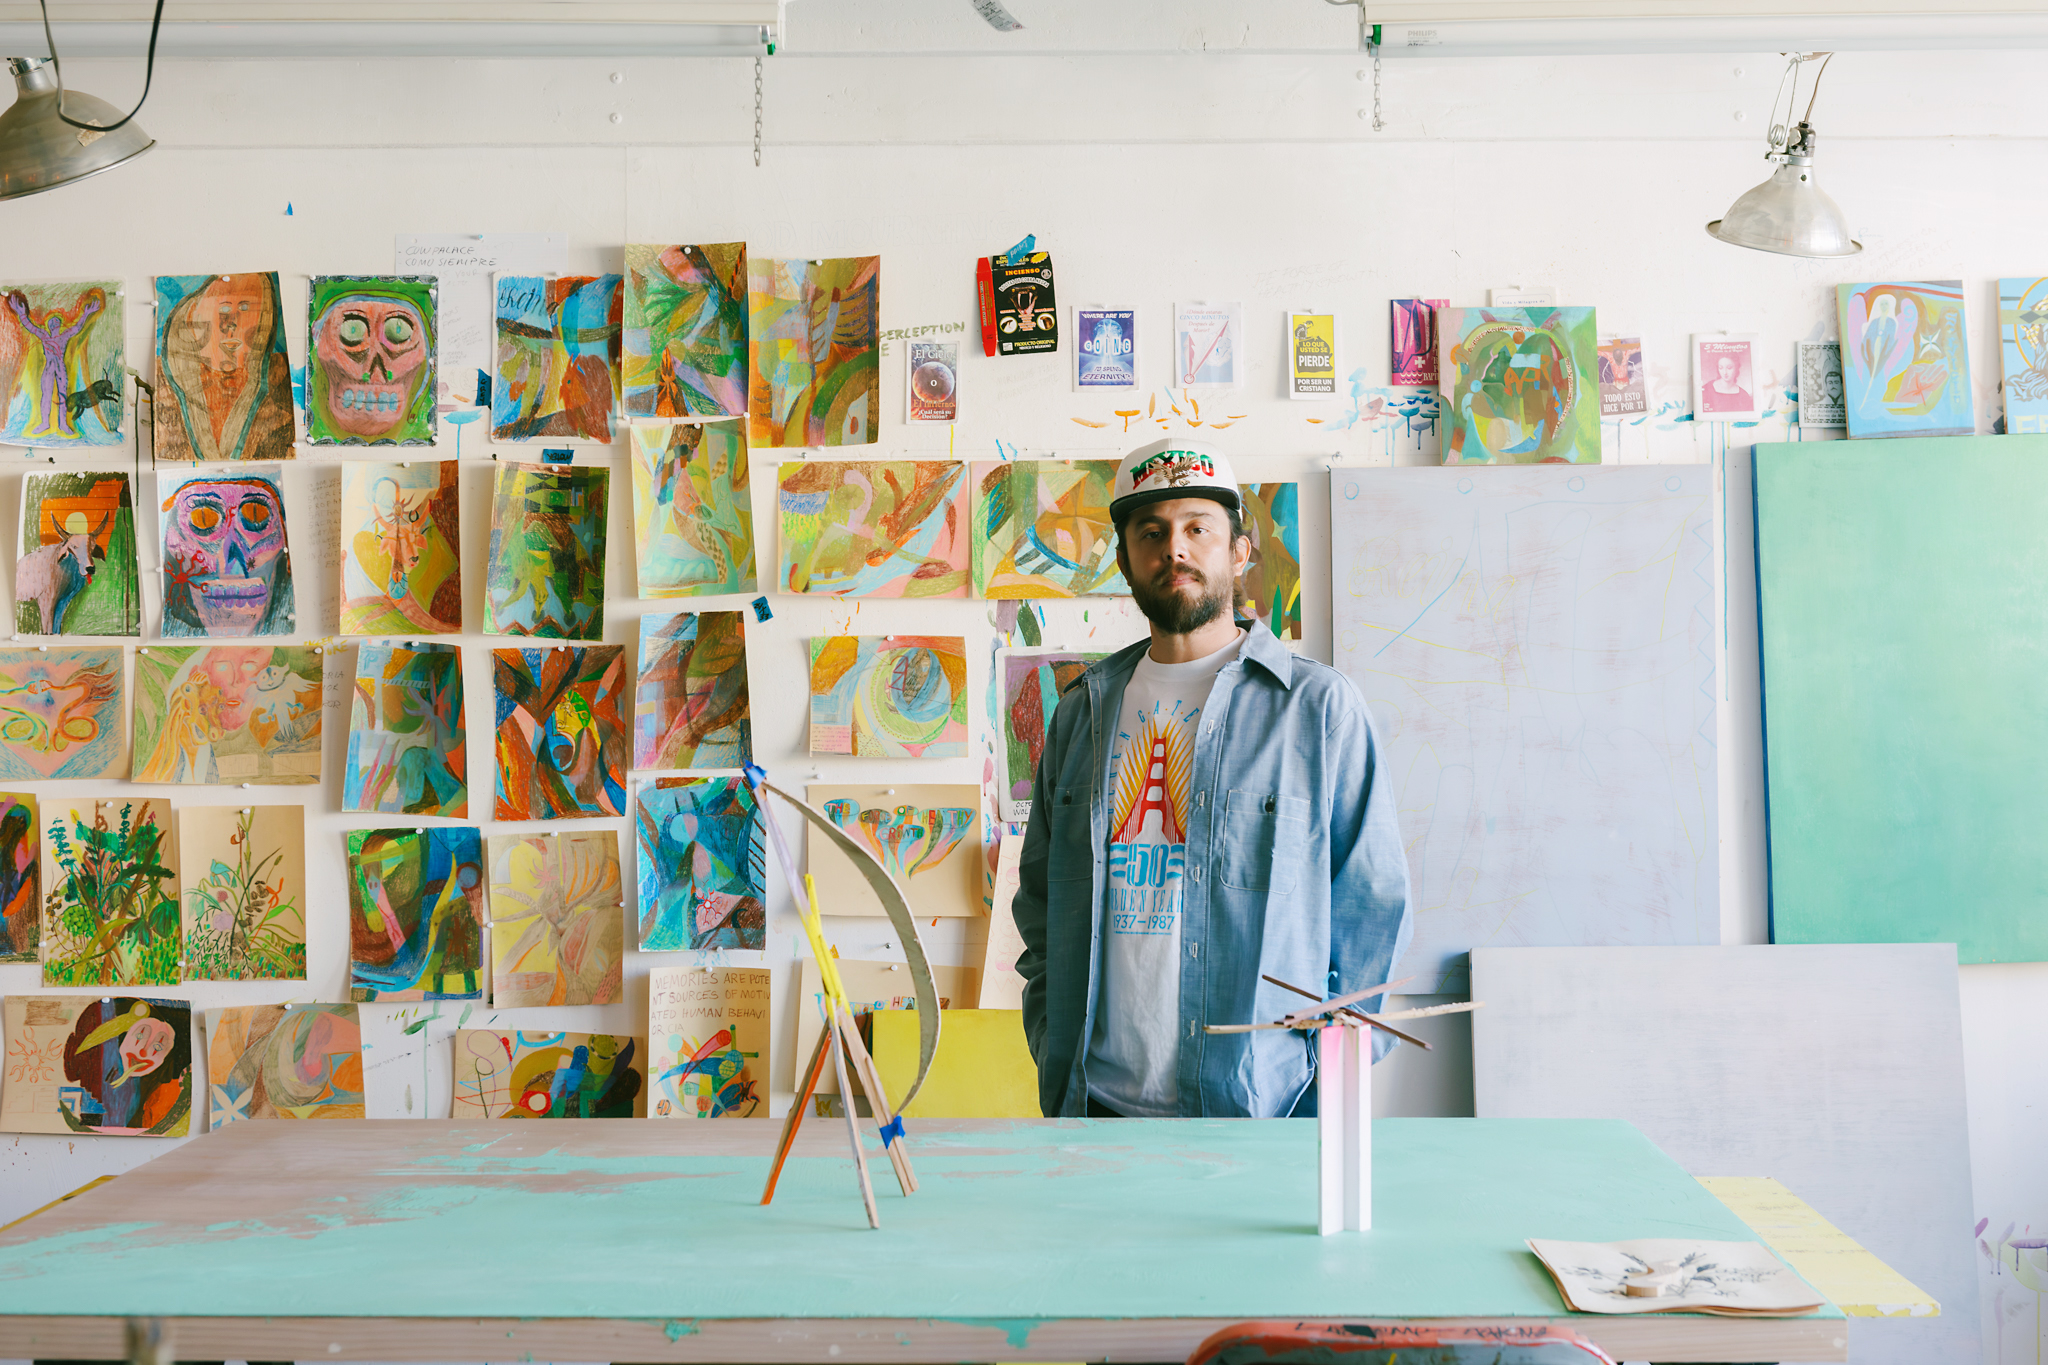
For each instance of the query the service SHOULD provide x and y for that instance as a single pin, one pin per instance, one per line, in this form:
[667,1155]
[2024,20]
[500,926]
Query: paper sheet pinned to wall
[464,262]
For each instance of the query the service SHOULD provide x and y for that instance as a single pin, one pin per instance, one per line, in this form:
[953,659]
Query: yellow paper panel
[983,1069]
[1854,1280]
[871,987]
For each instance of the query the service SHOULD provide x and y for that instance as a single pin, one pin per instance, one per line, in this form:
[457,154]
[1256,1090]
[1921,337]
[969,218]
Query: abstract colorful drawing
[284,1062]
[558,358]
[889,696]
[1415,340]
[690,706]
[1270,586]
[520,1075]
[400,526]
[242,884]
[371,380]
[1522,385]
[1402,423]
[416,914]
[874,528]
[926,835]
[227,713]
[21,879]
[693,509]
[227,565]
[61,714]
[686,331]
[703,866]
[407,743]
[563,751]
[2023,344]
[223,378]
[61,364]
[557,930]
[813,351]
[1032,682]
[104,1066]
[546,570]
[76,574]
[707,1037]
[110,894]
[1905,363]
[1042,529]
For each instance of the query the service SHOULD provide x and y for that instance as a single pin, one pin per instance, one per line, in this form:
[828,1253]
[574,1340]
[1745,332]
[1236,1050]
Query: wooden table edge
[837,1341]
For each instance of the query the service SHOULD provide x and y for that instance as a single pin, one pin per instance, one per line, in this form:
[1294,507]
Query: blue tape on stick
[892,1130]
[1016,254]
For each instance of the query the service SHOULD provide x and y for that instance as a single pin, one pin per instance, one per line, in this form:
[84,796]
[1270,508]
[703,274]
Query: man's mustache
[1164,578]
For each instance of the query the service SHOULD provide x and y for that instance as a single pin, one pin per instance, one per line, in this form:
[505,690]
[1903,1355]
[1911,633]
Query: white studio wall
[1160,154]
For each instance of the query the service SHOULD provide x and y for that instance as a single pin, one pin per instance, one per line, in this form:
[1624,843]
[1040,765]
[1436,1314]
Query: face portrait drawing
[372,353]
[227,571]
[1723,392]
[228,384]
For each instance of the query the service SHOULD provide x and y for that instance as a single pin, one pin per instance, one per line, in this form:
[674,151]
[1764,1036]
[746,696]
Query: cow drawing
[51,576]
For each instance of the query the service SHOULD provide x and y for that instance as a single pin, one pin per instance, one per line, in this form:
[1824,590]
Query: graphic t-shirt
[1135,1045]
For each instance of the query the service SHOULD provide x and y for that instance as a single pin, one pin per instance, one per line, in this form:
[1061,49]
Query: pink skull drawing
[224,544]
[372,353]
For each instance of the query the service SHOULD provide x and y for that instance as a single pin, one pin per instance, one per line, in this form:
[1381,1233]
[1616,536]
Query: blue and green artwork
[703,861]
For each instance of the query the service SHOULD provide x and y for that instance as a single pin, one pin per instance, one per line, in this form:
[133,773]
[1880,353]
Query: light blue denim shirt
[1294,869]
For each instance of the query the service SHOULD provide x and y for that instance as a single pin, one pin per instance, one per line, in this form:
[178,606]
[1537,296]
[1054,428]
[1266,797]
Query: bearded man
[1207,812]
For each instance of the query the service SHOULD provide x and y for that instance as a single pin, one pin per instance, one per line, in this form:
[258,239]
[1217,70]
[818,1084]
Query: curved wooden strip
[892,899]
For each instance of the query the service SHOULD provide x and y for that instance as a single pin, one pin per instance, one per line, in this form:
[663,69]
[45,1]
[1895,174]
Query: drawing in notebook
[1731,1279]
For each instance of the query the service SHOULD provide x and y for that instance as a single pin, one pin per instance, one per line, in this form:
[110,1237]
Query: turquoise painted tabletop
[1014,1220]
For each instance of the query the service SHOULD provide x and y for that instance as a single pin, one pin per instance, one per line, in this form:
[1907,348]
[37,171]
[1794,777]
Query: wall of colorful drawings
[683,555]
[388,552]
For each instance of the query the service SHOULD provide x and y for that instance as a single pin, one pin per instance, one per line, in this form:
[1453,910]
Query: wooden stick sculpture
[840,1038]
[1344,1092]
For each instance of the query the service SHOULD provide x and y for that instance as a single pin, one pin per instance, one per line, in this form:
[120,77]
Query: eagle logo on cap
[1177,468]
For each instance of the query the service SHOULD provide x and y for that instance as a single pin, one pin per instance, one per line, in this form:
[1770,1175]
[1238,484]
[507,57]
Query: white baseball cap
[1172,468]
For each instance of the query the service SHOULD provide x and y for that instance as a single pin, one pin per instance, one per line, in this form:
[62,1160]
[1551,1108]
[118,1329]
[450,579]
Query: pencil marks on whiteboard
[1537,648]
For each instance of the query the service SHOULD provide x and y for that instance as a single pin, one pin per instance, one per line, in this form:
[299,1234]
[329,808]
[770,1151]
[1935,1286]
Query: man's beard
[1176,614]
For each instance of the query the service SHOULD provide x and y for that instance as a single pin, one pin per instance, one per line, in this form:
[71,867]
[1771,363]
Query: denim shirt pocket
[1070,856]
[1265,837]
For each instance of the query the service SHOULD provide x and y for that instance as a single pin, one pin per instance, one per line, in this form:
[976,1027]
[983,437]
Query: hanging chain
[757,111]
[1374,48]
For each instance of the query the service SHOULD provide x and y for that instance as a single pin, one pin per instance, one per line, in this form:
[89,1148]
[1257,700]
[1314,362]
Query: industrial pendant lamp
[1789,213]
[51,136]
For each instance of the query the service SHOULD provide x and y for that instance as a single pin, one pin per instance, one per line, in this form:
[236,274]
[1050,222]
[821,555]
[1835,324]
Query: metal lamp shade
[39,151]
[1788,214]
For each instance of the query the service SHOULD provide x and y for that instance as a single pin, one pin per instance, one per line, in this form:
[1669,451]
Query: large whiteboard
[1537,647]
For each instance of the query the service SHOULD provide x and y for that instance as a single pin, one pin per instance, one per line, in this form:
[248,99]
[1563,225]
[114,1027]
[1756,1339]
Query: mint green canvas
[1903,594]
